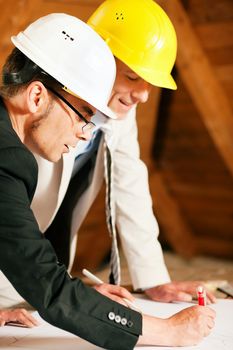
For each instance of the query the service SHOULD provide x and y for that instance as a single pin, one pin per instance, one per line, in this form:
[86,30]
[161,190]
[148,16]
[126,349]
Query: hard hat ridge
[72,53]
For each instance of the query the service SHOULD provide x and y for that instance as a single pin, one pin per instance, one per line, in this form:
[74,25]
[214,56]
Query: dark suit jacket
[29,262]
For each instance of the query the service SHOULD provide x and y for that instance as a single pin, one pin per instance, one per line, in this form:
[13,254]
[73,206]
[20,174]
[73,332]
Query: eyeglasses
[89,126]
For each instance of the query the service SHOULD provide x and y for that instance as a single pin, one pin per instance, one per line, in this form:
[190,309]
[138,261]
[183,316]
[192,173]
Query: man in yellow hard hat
[143,41]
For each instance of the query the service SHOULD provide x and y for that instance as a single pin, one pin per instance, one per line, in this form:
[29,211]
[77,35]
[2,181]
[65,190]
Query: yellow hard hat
[141,35]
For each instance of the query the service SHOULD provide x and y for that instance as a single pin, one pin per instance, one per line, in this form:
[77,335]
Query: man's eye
[134,78]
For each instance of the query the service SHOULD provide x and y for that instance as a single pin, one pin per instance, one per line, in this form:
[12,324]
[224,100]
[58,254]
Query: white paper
[47,337]
[221,337]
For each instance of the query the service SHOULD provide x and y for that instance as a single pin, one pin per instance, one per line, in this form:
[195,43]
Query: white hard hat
[74,54]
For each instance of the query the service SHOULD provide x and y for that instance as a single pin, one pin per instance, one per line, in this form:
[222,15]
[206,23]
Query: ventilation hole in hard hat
[119,15]
[67,36]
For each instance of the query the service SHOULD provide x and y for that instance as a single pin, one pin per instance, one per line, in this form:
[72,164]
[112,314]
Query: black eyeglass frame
[89,126]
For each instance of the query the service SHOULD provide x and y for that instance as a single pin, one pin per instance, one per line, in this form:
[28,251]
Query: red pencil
[201,296]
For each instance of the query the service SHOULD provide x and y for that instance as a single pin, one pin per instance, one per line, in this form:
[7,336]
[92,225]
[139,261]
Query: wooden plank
[201,82]
[94,3]
[225,73]
[215,35]
[220,57]
[216,247]
[176,229]
[209,10]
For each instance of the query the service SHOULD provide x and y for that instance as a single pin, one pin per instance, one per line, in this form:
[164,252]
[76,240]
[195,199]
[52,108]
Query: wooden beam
[177,231]
[200,79]
[215,35]
[217,247]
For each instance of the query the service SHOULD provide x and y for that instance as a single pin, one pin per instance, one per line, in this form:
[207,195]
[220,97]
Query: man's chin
[122,113]
[53,158]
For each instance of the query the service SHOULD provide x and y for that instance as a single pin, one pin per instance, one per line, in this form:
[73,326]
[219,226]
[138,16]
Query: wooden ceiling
[192,173]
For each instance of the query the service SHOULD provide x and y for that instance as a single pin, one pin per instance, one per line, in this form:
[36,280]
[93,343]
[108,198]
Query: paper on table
[43,337]
[221,338]
[47,337]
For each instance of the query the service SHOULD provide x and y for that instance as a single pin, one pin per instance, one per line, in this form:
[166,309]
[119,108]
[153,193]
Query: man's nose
[84,133]
[141,93]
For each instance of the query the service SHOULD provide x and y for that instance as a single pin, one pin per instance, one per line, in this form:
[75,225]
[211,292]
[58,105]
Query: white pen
[99,281]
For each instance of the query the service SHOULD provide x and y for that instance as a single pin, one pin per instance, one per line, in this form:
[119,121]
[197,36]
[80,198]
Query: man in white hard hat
[145,55]
[46,107]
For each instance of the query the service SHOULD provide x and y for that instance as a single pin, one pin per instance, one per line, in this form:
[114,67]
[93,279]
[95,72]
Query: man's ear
[36,96]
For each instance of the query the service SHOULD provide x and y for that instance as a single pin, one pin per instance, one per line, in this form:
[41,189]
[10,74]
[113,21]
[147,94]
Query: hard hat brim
[163,82]
[155,78]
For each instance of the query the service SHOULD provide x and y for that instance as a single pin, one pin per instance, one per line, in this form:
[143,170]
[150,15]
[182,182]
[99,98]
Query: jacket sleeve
[135,220]
[29,262]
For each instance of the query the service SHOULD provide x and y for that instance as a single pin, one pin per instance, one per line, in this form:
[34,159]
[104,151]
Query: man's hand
[20,316]
[115,293]
[191,325]
[185,328]
[177,291]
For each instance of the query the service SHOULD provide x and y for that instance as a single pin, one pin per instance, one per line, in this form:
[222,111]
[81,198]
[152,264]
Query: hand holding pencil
[187,327]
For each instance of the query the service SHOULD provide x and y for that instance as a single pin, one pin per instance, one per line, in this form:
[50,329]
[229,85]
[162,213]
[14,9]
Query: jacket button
[118,319]
[130,324]
[124,321]
[111,316]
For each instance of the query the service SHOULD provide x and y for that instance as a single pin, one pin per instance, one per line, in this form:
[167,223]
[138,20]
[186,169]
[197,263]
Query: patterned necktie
[115,275]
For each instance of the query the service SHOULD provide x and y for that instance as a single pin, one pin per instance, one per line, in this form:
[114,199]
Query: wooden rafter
[200,79]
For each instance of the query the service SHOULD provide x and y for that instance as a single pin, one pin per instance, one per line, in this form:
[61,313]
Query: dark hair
[19,71]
